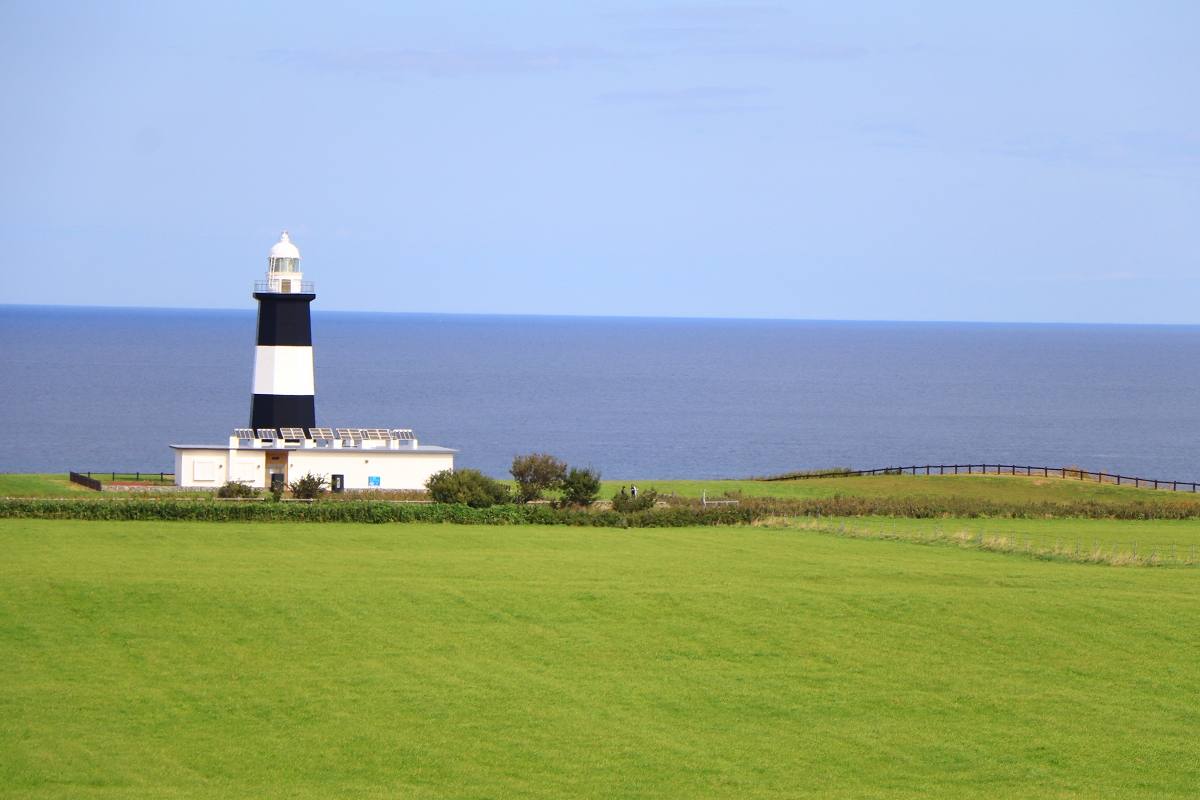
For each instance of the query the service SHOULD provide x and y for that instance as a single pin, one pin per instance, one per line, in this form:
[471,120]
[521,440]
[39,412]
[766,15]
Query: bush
[466,486]
[581,486]
[236,489]
[310,487]
[535,473]
[625,504]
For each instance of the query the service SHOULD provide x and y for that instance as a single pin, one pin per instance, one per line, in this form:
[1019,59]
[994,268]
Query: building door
[276,468]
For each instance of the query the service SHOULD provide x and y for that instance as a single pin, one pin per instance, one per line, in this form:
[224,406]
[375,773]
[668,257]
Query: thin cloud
[1080,277]
[724,12]
[1132,149]
[680,94]
[449,62]
[895,135]
[796,52]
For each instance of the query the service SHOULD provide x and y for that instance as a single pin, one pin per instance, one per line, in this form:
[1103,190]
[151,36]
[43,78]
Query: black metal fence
[86,481]
[92,479]
[1004,469]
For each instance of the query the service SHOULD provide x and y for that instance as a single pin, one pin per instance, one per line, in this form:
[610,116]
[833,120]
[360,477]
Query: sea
[108,389]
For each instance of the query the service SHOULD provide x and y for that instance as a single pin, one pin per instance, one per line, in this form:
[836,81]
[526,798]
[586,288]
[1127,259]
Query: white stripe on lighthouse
[283,370]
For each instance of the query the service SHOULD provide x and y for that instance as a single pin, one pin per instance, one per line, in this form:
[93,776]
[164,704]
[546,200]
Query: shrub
[310,487]
[625,504]
[535,473]
[466,486]
[236,489]
[581,486]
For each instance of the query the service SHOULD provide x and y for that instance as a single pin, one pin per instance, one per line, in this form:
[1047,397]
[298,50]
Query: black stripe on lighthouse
[283,319]
[283,363]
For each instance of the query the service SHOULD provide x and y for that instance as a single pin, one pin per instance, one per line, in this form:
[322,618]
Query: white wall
[248,467]
[201,467]
[396,469]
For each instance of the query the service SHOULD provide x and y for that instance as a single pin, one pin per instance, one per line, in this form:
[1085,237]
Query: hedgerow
[361,511]
[689,514]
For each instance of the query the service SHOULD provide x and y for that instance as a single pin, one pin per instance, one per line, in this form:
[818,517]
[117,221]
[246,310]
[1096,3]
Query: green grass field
[1003,488]
[31,485]
[303,661]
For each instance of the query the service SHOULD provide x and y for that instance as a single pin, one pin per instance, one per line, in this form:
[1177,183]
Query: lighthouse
[284,389]
[283,442]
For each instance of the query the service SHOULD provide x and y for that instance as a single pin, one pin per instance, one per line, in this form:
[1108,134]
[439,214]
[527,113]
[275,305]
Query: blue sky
[908,161]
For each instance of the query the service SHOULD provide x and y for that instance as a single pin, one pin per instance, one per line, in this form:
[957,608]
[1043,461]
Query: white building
[282,444]
[350,458]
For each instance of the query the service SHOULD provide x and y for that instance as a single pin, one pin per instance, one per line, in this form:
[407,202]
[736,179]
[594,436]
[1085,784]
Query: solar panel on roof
[325,434]
[243,433]
[376,434]
[268,434]
[348,433]
[402,434]
[295,434]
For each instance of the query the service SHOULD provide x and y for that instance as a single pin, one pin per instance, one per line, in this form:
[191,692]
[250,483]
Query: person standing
[633,491]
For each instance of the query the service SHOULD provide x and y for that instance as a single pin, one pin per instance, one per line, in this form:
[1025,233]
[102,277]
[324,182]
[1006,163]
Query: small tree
[310,487]
[236,489]
[535,473]
[581,486]
[466,486]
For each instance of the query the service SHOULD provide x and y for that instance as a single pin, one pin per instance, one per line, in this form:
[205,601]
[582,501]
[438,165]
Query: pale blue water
[103,389]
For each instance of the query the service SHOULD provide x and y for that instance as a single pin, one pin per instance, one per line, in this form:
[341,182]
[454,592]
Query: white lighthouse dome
[283,269]
[284,248]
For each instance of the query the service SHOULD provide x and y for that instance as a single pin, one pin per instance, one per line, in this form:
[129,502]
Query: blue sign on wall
[372,480]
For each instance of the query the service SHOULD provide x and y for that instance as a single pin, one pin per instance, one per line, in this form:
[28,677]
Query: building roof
[423,448]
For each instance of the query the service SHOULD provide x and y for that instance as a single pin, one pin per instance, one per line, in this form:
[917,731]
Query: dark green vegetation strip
[217,511]
[689,513]
[190,660]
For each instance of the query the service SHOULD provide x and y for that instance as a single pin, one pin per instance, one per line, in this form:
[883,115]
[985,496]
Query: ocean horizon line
[250,310]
